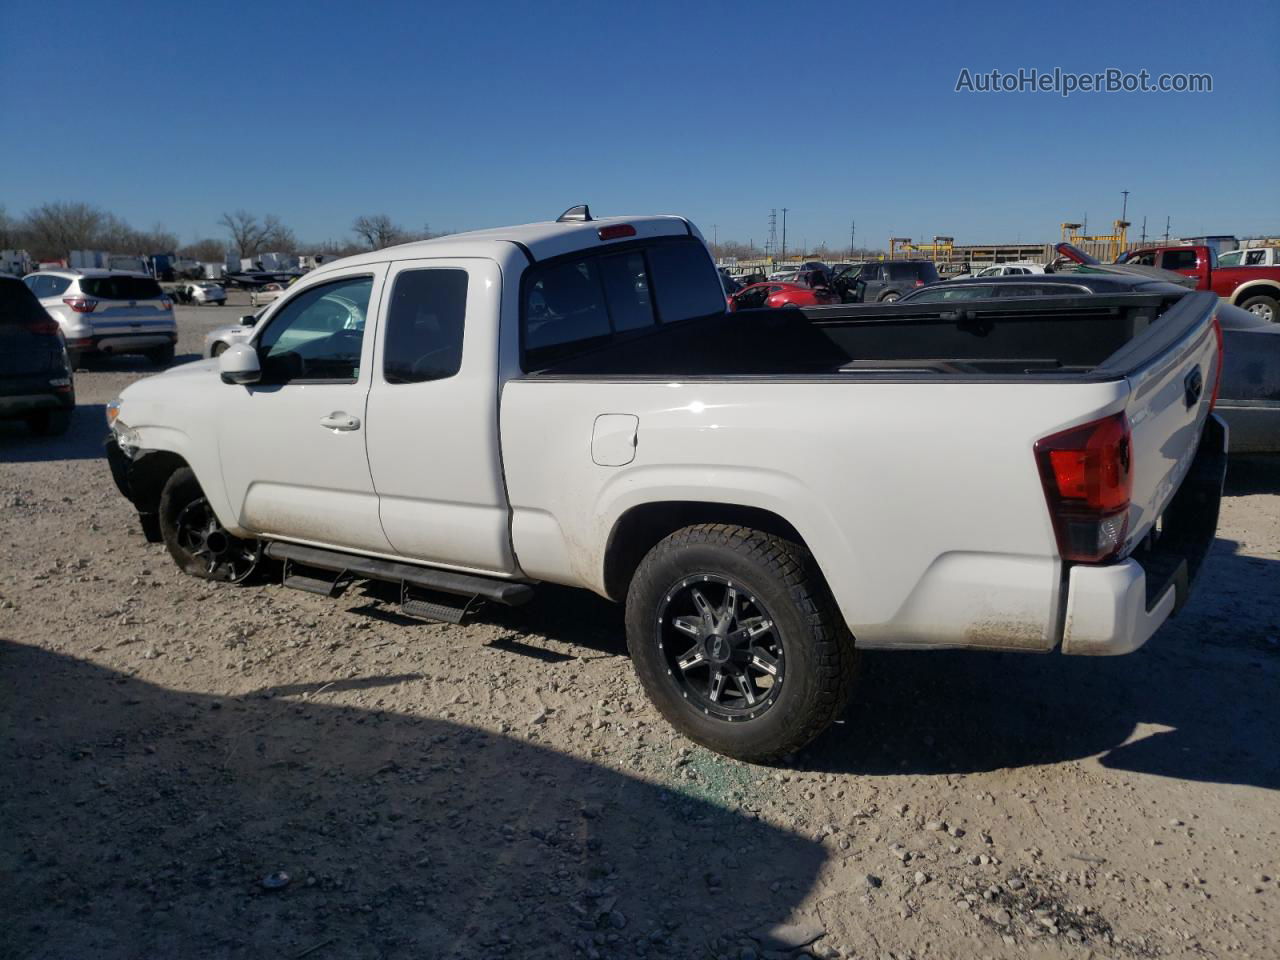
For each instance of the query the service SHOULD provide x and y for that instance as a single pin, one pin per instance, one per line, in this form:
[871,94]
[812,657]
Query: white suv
[108,311]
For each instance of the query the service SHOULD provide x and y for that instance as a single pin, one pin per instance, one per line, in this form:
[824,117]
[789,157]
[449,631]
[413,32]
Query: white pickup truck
[767,491]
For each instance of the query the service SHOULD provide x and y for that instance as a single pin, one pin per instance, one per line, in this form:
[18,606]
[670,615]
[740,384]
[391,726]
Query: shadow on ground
[140,821]
[82,441]
[1209,681]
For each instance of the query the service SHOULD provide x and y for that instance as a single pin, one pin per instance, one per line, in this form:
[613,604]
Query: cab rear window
[121,288]
[577,303]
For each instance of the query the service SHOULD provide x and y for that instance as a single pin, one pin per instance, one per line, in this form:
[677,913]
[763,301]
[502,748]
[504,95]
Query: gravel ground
[191,770]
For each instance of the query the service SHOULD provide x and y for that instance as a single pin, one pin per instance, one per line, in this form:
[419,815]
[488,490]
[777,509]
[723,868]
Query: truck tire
[1264,306]
[718,616]
[891,298]
[194,537]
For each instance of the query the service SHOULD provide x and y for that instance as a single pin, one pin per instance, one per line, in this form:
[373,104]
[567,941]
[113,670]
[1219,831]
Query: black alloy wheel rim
[219,553]
[720,647]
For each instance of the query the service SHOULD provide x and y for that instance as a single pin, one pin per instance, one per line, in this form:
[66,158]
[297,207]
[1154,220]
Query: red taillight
[44,326]
[919,282]
[1217,373]
[166,303]
[1086,472]
[616,231]
[80,304]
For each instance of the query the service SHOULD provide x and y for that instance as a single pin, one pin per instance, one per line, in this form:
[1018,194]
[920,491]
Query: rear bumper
[1114,609]
[123,342]
[16,405]
[1254,425]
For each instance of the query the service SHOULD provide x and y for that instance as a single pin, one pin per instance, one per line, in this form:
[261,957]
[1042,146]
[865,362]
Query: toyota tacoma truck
[766,491]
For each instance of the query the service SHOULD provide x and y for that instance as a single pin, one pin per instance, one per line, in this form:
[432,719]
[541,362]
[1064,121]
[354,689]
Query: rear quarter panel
[920,501]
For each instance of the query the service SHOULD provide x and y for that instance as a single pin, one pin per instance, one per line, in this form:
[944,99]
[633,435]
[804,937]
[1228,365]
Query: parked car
[1252,288]
[1249,398]
[35,375]
[1020,268]
[108,312]
[219,338]
[758,488]
[781,294]
[206,293]
[883,281]
[265,294]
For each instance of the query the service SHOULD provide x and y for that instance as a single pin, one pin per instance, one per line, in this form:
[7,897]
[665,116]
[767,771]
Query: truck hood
[149,387]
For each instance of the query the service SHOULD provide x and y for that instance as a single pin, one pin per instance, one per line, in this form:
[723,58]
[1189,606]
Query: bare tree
[377,231]
[246,232]
[53,229]
[276,236]
[250,237]
[205,250]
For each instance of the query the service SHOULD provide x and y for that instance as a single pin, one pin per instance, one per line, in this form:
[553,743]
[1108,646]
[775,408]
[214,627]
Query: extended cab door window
[425,318]
[317,335]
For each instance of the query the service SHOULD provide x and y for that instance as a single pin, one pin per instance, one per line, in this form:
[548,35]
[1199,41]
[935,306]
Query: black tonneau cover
[1094,336]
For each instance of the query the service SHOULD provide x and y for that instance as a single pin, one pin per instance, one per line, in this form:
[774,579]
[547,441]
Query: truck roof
[539,241]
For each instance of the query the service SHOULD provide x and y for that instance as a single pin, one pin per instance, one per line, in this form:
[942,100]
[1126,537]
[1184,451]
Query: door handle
[340,421]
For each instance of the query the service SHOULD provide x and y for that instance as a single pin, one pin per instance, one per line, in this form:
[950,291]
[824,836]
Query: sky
[462,116]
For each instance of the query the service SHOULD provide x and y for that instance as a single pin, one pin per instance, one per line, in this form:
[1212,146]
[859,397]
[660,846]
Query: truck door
[292,445]
[433,415]
[1190,262]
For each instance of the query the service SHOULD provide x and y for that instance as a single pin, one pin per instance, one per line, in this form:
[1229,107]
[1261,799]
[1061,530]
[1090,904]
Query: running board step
[427,610]
[311,585]
[330,587]
[348,565]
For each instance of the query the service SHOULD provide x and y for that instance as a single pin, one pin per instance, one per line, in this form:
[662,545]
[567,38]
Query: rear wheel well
[641,528]
[1259,290]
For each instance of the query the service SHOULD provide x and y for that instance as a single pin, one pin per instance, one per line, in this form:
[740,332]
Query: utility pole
[1144,231]
[784,233]
[1124,210]
[771,245]
[715,235]
[853,232]
[1166,231]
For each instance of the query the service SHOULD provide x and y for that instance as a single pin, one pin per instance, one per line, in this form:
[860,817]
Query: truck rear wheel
[195,539]
[738,642]
[1263,306]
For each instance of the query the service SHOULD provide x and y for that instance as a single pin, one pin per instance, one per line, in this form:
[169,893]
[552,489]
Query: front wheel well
[641,528]
[148,475]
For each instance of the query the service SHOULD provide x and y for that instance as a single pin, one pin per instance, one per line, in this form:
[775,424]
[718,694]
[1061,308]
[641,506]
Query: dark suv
[35,377]
[883,281]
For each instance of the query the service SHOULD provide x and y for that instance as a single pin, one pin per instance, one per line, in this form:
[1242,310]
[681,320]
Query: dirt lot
[502,789]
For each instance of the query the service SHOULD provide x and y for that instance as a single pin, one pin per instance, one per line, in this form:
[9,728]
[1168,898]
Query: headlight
[113,411]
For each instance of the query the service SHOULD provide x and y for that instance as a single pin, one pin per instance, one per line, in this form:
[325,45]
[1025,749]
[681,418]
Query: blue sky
[475,115]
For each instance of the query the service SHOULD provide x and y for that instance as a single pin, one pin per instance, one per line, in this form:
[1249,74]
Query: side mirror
[239,364]
[248,320]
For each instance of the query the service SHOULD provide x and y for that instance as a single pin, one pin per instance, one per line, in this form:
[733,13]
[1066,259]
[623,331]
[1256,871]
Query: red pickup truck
[1256,289]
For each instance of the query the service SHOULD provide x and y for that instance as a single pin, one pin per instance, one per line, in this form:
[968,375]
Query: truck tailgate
[1169,401]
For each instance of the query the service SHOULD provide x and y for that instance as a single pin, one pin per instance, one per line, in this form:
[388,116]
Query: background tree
[51,230]
[377,231]
[251,236]
[207,249]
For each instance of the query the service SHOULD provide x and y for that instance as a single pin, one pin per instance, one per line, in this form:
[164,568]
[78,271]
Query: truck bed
[1090,336]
